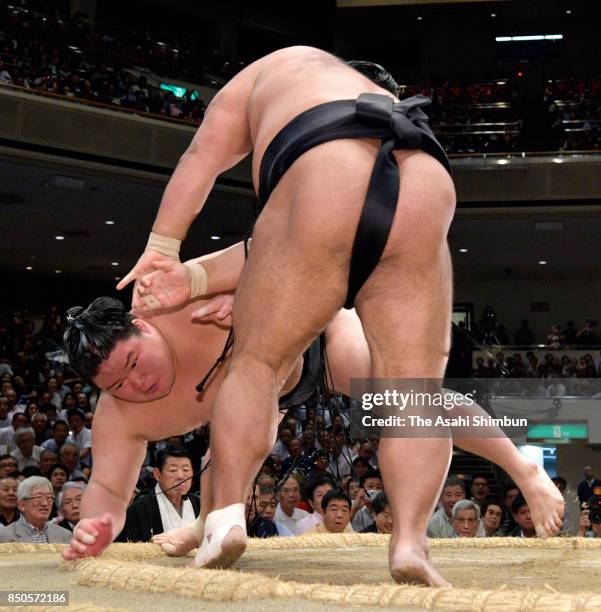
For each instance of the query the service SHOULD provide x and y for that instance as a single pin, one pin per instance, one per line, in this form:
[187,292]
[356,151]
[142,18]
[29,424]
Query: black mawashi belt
[400,125]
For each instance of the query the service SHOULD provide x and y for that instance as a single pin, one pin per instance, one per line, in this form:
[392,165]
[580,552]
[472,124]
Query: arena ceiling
[37,204]
[357,3]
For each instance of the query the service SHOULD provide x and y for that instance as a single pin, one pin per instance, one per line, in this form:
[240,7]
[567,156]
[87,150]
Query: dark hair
[378,74]
[455,482]
[8,456]
[76,412]
[479,476]
[490,501]
[171,451]
[560,480]
[79,479]
[380,502]
[518,502]
[370,474]
[55,466]
[362,461]
[68,394]
[17,414]
[334,494]
[509,487]
[31,470]
[93,332]
[61,422]
[317,482]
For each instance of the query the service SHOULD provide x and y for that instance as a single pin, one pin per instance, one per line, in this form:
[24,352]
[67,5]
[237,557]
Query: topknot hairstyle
[378,74]
[93,332]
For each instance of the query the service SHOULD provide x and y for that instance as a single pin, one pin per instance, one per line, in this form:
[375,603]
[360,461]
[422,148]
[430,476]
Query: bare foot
[411,564]
[545,502]
[178,542]
[214,554]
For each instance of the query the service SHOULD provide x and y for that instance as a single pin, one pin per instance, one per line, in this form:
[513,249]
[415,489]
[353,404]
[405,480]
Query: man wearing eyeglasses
[465,519]
[286,512]
[35,500]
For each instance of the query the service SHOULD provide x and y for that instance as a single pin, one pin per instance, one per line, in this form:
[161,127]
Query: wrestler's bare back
[280,92]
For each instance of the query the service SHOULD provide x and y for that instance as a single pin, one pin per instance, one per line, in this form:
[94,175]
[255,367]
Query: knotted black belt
[400,125]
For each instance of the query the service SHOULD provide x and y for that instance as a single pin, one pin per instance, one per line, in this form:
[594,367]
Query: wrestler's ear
[142,325]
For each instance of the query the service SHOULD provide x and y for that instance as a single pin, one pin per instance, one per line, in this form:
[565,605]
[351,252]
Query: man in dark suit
[521,513]
[585,488]
[168,506]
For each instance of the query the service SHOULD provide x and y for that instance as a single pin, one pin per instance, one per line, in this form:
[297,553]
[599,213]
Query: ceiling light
[114,263]
[57,271]
[568,12]
[420,18]
[463,250]
[557,160]
[493,15]
[59,237]
[530,37]
[502,162]
[117,278]
[542,262]
[215,237]
[109,222]
[29,268]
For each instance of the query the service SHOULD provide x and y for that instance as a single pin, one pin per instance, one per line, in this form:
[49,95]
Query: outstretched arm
[117,461]
[172,283]
[222,140]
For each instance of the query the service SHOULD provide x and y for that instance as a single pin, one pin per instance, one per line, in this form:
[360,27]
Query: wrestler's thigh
[296,277]
[406,304]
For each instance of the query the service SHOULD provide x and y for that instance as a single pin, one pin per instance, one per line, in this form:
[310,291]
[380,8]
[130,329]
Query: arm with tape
[172,283]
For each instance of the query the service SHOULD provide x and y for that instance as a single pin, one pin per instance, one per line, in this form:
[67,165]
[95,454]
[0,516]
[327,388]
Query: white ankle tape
[230,516]
[199,280]
[163,244]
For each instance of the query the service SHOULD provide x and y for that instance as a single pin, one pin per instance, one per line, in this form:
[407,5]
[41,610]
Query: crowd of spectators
[563,353]
[474,117]
[317,479]
[575,105]
[64,55]
[51,52]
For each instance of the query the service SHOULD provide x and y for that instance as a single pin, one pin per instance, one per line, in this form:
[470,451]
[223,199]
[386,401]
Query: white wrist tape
[199,280]
[163,244]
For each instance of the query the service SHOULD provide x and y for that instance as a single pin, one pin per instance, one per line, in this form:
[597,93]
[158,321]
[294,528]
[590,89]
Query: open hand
[90,538]
[167,286]
[142,267]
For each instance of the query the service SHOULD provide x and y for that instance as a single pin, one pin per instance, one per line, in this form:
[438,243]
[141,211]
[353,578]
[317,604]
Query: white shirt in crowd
[84,440]
[290,522]
[362,519]
[342,465]
[280,450]
[310,521]
[7,438]
[27,461]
